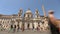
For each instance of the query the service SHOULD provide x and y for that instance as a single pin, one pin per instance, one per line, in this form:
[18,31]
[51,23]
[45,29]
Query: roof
[7,16]
[28,11]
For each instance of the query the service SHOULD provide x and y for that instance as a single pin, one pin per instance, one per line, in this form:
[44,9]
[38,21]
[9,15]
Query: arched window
[28,16]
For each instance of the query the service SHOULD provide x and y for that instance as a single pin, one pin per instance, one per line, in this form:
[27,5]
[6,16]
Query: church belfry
[37,13]
[20,13]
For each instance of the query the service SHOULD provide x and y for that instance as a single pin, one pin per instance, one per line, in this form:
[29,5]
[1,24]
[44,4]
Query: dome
[28,11]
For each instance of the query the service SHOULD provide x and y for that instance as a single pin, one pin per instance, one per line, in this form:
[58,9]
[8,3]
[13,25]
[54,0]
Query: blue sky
[12,6]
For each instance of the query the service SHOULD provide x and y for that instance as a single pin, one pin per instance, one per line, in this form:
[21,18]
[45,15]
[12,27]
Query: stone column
[25,25]
[30,25]
[9,24]
[41,25]
[2,24]
[20,25]
[46,26]
[15,26]
[35,25]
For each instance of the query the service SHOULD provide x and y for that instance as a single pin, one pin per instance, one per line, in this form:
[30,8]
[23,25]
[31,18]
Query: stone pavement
[26,32]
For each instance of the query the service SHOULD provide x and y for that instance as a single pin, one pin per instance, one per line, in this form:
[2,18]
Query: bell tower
[20,13]
[37,14]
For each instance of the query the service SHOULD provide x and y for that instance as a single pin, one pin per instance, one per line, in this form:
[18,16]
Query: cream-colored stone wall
[28,18]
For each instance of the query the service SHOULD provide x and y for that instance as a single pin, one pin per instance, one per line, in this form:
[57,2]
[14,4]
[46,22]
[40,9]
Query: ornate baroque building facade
[27,21]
